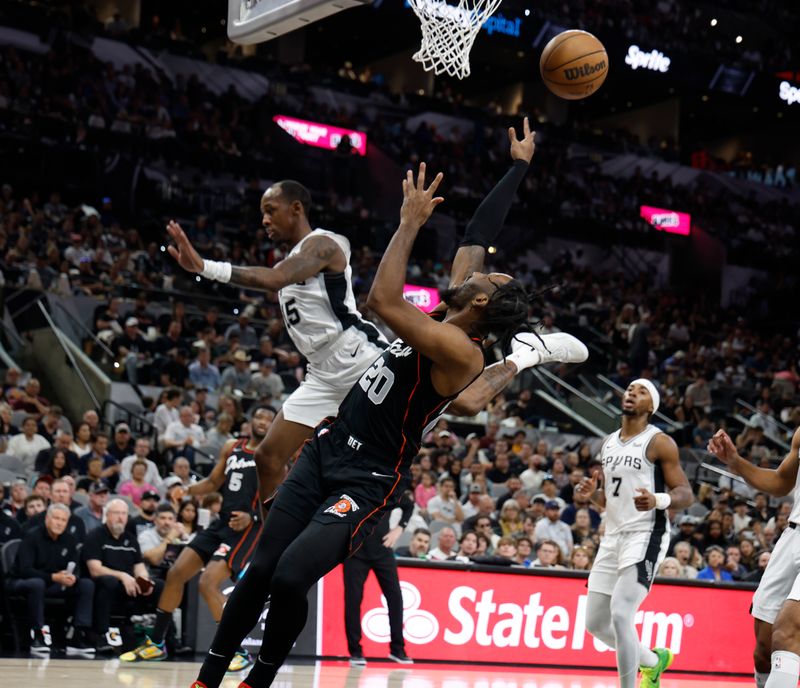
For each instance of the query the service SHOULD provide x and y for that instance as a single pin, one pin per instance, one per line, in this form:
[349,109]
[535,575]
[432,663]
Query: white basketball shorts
[645,550]
[781,579]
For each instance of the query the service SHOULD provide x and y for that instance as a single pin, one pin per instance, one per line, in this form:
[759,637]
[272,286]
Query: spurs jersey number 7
[625,469]
[317,310]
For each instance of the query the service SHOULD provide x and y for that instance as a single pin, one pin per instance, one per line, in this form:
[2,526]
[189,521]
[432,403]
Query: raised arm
[777,482]
[488,220]
[318,254]
[442,343]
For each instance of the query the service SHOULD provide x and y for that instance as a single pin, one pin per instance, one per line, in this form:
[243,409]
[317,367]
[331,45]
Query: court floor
[65,673]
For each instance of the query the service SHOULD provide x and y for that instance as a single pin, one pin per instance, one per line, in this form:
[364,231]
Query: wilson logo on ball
[587,69]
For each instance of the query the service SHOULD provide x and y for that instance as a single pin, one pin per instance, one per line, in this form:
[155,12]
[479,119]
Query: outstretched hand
[522,149]
[721,446]
[183,251]
[419,202]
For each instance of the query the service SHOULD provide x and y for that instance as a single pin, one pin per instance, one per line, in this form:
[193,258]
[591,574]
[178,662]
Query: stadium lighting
[163,249]
[492,249]
[738,39]
[713,22]
[527,13]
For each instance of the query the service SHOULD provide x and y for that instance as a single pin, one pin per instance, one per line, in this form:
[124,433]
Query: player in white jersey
[642,477]
[776,604]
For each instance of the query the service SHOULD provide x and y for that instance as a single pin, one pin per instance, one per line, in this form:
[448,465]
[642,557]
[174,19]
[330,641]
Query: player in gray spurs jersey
[642,477]
[776,604]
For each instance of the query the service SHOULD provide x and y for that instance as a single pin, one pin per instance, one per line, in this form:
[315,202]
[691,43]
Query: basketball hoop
[448,32]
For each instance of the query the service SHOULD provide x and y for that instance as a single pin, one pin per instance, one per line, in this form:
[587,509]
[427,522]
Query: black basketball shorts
[222,543]
[339,479]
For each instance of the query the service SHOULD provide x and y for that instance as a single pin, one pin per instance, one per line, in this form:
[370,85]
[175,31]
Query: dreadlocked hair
[506,313]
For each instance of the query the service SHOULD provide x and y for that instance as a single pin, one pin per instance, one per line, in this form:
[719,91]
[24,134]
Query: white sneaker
[559,347]
[357,661]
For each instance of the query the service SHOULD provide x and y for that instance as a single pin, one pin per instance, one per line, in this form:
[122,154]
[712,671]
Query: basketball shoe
[241,661]
[651,676]
[148,652]
[559,347]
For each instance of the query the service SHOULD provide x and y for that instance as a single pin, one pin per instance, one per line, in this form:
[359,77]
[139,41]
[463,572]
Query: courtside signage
[424,298]
[789,93]
[457,616]
[321,135]
[667,220]
[653,60]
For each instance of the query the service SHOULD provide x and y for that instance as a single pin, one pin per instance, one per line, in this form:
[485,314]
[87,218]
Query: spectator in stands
[137,485]
[94,472]
[749,555]
[580,503]
[132,351]
[446,547]
[203,373]
[34,504]
[16,498]
[187,517]
[183,435]
[524,555]
[684,552]
[741,519]
[733,563]
[510,518]
[82,443]
[47,566]
[686,532]
[183,469]
[582,529]
[29,400]
[485,509]
[467,546]
[57,466]
[146,511]
[501,470]
[549,555]
[122,444]
[238,375]
[9,528]
[763,560]
[671,568]
[714,571]
[7,429]
[50,423]
[550,492]
[567,493]
[218,435]
[506,548]
[266,382]
[248,337]
[552,528]
[92,513]
[712,535]
[174,492]
[419,545]
[470,507]
[62,442]
[141,452]
[41,487]
[92,419]
[27,445]
[213,502]
[426,490]
[445,506]
[167,411]
[580,559]
[11,382]
[155,541]
[110,470]
[513,487]
[115,563]
[61,494]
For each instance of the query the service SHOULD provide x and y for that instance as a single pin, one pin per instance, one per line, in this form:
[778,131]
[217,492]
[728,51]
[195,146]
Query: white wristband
[525,357]
[216,270]
[663,500]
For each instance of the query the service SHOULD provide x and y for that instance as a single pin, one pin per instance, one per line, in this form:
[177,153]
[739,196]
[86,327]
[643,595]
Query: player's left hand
[645,500]
[419,202]
[522,149]
[239,520]
[390,539]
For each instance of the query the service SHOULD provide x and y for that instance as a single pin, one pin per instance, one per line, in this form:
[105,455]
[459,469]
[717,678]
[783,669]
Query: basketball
[574,64]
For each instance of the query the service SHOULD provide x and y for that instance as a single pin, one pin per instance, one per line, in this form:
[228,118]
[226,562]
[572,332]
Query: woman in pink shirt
[136,486]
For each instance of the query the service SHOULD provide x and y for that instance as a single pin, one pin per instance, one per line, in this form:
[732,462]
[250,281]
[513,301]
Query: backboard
[257,21]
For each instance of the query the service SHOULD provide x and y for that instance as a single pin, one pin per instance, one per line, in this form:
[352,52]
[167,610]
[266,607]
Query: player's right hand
[587,486]
[183,251]
[721,446]
[419,202]
[522,149]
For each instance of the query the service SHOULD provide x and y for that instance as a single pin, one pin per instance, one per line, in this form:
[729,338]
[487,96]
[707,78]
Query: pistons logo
[222,551]
[343,507]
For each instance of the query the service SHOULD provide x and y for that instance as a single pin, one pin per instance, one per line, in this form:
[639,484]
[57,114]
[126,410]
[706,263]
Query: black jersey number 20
[377,381]
[291,314]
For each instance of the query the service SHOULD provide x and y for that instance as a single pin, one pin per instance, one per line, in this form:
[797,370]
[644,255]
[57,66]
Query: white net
[448,32]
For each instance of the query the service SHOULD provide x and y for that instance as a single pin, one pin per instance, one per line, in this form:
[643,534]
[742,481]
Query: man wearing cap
[183,435]
[131,349]
[238,375]
[92,513]
[641,478]
[551,527]
[203,373]
[686,528]
[471,507]
[147,512]
[266,382]
[122,443]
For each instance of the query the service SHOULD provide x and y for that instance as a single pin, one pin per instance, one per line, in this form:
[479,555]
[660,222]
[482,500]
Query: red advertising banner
[665,220]
[424,298]
[321,135]
[458,616]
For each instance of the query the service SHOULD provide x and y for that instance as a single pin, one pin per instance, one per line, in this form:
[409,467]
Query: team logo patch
[344,506]
[323,432]
[223,550]
[648,568]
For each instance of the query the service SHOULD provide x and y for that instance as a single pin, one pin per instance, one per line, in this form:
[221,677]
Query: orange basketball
[574,64]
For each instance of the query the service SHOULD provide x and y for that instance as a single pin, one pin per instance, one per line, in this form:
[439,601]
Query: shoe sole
[401,661]
[81,652]
[358,664]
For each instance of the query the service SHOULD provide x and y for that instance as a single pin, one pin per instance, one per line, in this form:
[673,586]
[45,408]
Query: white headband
[650,387]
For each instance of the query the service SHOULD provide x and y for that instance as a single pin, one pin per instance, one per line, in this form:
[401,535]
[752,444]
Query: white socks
[647,658]
[785,670]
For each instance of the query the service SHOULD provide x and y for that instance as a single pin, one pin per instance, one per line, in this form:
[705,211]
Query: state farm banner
[462,615]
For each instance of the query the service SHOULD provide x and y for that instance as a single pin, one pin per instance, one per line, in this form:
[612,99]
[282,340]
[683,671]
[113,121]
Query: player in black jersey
[224,548]
[349,474]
